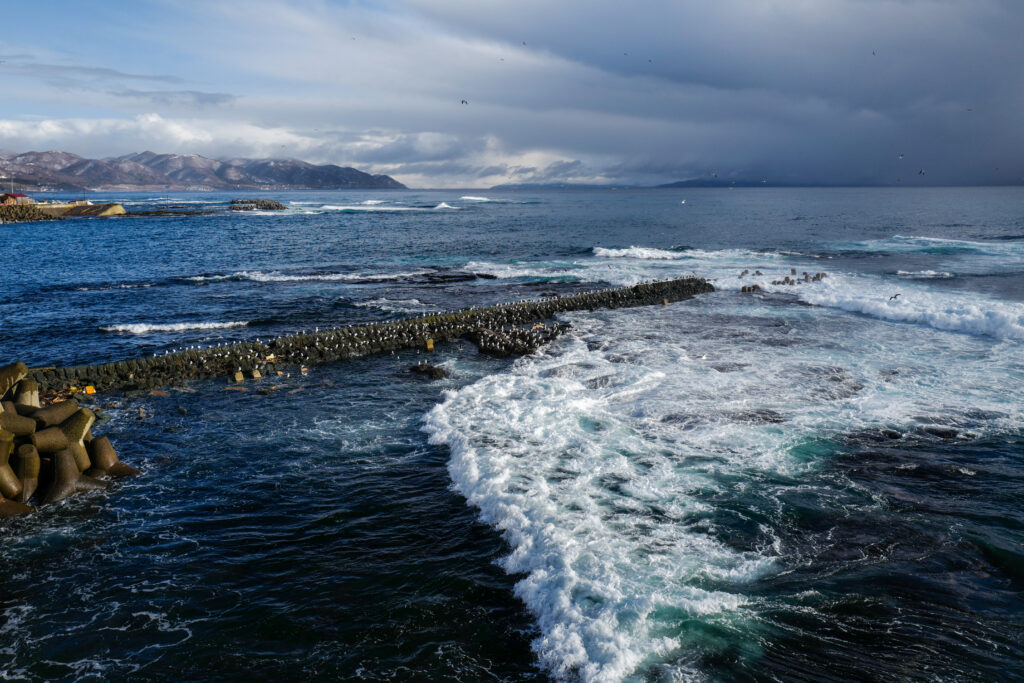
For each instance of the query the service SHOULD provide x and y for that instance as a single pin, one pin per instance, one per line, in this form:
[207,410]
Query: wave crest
[146,328]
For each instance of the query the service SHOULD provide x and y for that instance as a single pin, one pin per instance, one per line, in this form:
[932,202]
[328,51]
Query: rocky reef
[256,204]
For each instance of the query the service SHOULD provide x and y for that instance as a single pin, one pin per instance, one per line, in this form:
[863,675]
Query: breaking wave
[146,328]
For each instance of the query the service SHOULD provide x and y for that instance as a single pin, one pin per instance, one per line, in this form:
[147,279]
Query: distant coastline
[63,171]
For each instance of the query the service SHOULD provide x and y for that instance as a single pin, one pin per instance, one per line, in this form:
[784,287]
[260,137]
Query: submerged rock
[428,370]
[256,204]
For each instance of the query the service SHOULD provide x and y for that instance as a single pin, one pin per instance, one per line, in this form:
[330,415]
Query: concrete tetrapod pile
[505,329]
[47,453]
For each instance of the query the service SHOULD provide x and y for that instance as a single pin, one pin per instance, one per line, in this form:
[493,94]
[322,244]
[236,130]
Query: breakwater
[498,330]
[47,453]
[18,213]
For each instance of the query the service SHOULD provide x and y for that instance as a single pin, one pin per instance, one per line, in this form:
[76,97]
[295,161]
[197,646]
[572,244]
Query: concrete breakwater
[47,453]
[18,213]
[504,329]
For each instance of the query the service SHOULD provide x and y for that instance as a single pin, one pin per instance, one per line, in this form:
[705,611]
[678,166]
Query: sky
[474,93]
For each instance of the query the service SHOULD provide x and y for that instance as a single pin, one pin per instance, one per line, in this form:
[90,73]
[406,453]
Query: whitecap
[638,253]
[146,328]
[966,313]
[354,208]
[924,274]
[396,305]
[275,276]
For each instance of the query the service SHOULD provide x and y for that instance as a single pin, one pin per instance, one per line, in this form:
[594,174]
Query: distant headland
[63,171]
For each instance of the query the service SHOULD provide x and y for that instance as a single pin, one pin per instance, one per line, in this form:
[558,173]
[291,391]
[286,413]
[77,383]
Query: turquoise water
[710,490]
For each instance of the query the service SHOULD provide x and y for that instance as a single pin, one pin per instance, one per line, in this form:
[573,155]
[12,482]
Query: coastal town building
[10,198]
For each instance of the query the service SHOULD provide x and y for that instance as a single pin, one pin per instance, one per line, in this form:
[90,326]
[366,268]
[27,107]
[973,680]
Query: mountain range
[150,171]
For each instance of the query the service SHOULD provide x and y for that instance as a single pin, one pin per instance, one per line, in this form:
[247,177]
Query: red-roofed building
[15,198]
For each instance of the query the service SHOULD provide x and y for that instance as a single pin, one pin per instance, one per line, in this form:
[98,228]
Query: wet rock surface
[256,204]
[48,453]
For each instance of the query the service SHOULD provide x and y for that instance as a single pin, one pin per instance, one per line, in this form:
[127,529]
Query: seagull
[894,296]
[899,155]
[465,102]
[683,202]
[921,172]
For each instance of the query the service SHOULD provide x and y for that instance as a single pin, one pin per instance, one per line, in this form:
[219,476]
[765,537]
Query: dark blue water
[710,490]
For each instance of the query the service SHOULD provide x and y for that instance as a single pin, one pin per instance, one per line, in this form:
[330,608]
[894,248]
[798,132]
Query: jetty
[504,329]
[41,211]
[80,210]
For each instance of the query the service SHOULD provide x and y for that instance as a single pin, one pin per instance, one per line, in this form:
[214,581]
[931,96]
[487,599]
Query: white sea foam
[445,205]
[938,245]
[537,270]
[396,305]
[146,328]
[352,208]
[925,274]
[949,311]
[274,276]
[101,288]
[472,198]
[638,253]
[598,459]
[940,309]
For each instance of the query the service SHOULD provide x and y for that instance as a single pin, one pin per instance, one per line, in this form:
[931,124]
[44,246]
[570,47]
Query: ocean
[820,481]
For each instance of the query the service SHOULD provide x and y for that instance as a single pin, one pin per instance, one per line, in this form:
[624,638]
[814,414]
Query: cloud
[23,65]
[176,98]
[108,137]
[818,92]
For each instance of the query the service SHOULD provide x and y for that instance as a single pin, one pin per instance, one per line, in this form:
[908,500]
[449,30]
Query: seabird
[465,102]
[921,172]
[899,155]
[894,296]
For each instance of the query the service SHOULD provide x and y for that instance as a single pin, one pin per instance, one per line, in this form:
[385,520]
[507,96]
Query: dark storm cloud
[827,90]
